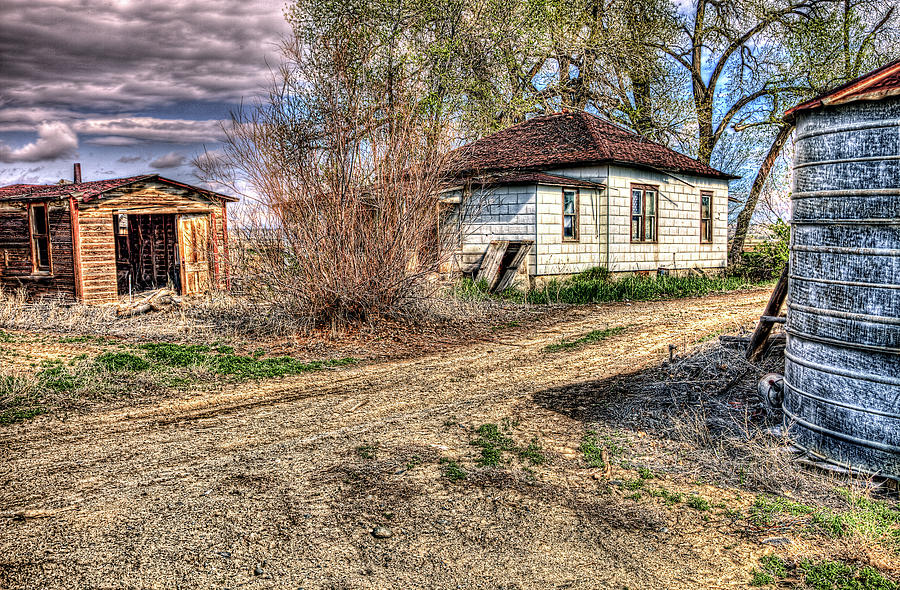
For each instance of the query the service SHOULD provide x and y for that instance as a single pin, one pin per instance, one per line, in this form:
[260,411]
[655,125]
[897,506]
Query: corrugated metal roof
[88,191]
[876,85]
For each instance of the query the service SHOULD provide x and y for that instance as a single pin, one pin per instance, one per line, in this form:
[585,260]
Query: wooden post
[767,320]
[76,248]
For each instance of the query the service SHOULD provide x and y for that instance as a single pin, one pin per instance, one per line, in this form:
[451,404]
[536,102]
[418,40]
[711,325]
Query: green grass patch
[137,371]
[698,503]
[236,365]
[597,449]
[669,498]
[595,285]
[833,575]
[877,521]
[19,399]
[634,484]
[367,451]
[532,453]
[176,355]
[592,337]
[765,510]
[819,575]
[645,473]
[494,440]
[452,470]
[122,361]
[19,409]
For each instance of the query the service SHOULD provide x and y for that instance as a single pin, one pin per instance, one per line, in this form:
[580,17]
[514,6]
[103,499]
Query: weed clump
[494,442]
[452,470]
[589,338]
[698,503]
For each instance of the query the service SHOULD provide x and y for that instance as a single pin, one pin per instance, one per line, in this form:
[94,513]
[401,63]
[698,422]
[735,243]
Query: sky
[126,87]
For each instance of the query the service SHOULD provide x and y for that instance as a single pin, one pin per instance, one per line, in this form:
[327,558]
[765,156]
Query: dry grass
[222,317]
[706,401]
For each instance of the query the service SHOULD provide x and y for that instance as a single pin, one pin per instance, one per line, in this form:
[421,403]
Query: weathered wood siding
[501,213]
[98,254]
[678,243]
[535,213]
[556,256]
[16,267]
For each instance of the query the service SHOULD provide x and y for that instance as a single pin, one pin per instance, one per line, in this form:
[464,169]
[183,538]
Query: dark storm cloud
[102,56]
[126,78]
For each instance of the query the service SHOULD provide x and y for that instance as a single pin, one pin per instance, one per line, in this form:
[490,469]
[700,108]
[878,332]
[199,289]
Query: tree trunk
[743,220]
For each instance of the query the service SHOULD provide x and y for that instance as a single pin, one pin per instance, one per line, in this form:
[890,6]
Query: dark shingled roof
[87,191]
[533,178]
[876,85]
[572,138]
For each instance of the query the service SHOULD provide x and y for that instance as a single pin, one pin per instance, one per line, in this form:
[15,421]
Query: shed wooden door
[193,247]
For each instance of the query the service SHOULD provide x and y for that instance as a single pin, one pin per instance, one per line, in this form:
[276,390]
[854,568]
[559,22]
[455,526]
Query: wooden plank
[227,259]
[510,270]
[773,309]
[490,264]
[76,247]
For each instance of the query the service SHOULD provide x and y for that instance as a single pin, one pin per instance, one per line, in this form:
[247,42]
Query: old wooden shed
[98,241]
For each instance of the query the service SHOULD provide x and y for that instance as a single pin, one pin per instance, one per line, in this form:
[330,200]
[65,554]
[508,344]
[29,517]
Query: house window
[570,214]
[706,226]
[643,213]
[40,238]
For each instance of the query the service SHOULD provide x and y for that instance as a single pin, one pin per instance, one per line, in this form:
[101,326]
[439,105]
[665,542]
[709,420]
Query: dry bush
[341,179]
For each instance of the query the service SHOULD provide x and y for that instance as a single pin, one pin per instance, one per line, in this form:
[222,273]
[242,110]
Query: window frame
[710,226]
[36,268]
[577,216]
[643,188]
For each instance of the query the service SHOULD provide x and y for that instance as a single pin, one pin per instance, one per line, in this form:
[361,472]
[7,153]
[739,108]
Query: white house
[588,193]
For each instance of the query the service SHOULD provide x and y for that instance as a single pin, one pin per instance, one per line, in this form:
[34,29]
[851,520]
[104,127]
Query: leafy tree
[834,42]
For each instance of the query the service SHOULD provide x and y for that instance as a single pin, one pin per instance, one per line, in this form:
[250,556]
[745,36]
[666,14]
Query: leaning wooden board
[490,264]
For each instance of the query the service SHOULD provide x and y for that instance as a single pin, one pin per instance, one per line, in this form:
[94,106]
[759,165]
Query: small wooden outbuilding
[98,241]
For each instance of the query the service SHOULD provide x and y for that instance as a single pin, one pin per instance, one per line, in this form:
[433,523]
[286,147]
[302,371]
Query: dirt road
[265,485]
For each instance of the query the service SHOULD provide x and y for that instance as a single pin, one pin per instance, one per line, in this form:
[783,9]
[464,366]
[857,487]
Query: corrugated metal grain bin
[842,368]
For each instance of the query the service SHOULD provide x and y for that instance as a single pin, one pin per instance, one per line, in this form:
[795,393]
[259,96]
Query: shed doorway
[146,252]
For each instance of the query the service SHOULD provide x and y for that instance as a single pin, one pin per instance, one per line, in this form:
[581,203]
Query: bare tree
[342,181]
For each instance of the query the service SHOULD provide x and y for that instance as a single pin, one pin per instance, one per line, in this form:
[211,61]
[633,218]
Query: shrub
[766,261]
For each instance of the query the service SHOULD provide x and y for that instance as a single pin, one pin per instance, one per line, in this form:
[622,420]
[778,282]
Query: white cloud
[112,140]
[170,160]
[54,140]
[129,159]
[152,129]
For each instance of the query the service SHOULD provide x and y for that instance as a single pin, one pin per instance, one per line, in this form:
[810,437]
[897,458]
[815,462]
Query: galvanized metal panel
[842,373]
